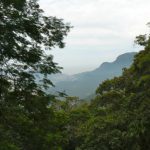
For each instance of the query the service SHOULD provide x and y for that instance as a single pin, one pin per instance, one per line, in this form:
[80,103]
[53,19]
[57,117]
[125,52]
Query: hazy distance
[103,29]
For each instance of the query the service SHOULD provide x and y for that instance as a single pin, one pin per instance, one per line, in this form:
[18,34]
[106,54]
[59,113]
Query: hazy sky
[103,29]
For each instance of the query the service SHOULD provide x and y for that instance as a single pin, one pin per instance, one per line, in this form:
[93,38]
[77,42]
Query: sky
[102,30]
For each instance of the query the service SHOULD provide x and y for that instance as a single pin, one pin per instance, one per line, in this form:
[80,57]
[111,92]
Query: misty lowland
[74,75]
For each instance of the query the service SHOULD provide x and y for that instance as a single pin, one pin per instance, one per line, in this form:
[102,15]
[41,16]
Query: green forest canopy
[117,119]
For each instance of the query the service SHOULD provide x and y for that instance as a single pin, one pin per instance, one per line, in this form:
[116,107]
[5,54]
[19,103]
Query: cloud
[99,24]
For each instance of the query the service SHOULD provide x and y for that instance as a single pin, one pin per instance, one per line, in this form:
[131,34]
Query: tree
[26,36]
[120,112]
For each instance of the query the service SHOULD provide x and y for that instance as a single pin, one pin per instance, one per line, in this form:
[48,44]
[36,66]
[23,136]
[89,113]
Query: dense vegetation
[117,119]
[26,35]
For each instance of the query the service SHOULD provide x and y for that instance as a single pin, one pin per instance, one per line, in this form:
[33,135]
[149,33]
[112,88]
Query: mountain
[84,84]
[56,78]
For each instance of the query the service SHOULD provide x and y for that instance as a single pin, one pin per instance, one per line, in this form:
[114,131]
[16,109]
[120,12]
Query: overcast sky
[103,29]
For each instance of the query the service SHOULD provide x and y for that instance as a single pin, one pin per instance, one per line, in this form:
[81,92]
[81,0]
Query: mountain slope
[85,84]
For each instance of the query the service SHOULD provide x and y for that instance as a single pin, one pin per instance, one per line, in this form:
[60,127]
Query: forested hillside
[30,119]
[84,84]
[118,118]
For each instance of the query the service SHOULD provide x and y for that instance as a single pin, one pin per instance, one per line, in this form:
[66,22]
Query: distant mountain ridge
[84,84]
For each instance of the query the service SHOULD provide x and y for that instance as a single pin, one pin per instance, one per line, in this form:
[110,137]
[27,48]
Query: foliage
[118,118]
[121,109]
[26,36]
